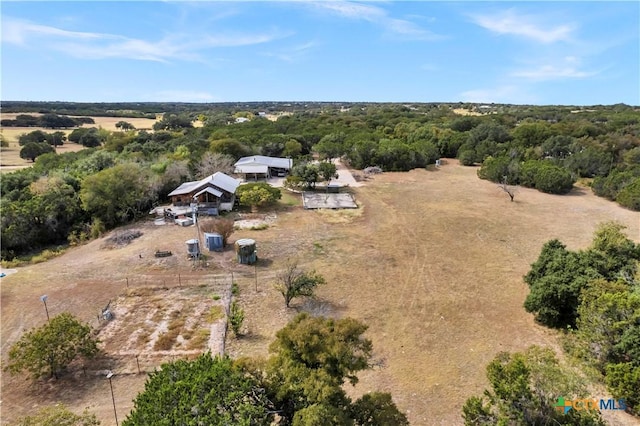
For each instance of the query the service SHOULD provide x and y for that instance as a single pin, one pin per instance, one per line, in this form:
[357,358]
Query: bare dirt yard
[432,261]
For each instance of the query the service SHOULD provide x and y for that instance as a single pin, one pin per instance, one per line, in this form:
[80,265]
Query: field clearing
[10,157]
[433,263]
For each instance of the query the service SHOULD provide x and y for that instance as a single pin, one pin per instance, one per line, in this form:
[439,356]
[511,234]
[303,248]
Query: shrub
[553,179]
[236,318]
[467,157]
[221,225]
[629,196]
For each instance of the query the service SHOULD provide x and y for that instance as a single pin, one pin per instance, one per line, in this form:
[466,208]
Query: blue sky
[569,53]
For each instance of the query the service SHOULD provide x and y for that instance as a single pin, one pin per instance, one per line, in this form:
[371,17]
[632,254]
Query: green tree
[307,172]
[613,251]
[524,390]
[629,196]
[91,139]
[206,391]
[257,194]
[47,350]
[294,282]
[33,150]
[312,358]
[35,136]
[553,179]
[292,148]
[555,281]
[230,147]
[173,122]
[623,381]
[331,145]
[124,125]
[377,408]
[236,318]
[608,324]
[77,134]
[58,415]
[116,194]
[327,171]
[57,138]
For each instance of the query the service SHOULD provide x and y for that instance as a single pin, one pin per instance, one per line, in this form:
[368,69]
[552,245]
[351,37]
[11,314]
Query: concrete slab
[319,200]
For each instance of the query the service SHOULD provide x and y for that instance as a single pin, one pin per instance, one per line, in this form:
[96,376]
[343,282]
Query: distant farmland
[10,156]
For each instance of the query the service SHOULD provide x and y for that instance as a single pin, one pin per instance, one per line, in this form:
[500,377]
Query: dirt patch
[255,221]
[151,321]
[121,238]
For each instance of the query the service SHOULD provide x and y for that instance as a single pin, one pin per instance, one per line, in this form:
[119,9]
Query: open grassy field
[432,262]
[10,156]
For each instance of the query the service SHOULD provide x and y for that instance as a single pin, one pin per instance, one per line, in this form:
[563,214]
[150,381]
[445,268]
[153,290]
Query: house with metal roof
[217,191]
[260,166]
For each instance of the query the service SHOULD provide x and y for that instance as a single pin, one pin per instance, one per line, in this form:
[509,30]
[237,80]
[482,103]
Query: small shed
[246,251]
[213,241]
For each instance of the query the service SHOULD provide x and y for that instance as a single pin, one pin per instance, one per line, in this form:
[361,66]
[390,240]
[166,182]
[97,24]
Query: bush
[629,196]
[546,177]
[553,179]
[236,318]
[258,194]
[221,225]
[467,157]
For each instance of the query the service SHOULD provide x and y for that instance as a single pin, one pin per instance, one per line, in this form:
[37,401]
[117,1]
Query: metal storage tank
[246,251]
[193,247]
[213,241]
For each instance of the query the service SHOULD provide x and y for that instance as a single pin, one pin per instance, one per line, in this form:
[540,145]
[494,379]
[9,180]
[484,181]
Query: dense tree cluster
[595,293]
[50,121]
[300,384]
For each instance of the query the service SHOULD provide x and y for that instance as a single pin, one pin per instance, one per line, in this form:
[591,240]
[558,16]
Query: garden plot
[178,321]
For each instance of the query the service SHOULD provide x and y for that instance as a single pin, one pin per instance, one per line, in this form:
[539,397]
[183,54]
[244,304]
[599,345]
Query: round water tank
[193,247]
[246,242]
[246,251]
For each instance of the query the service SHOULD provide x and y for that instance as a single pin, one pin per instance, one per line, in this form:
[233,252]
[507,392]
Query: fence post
[127,282]
[138,364]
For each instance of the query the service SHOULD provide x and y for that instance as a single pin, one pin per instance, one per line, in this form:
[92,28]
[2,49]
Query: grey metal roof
[282,163]
[211,191]
[218,179]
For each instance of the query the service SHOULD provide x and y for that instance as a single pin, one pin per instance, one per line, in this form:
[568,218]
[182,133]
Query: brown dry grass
[10,156]
[433,265]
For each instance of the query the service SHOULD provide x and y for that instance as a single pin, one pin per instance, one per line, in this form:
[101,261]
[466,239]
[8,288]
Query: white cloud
[378,16]
[507,94]
[568,67]
[353,10]
[101,46]
[17,31]
[293,53]
[528,26]
[553,72]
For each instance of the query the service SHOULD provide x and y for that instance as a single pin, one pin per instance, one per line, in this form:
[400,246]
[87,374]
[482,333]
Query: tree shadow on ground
[319,307]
